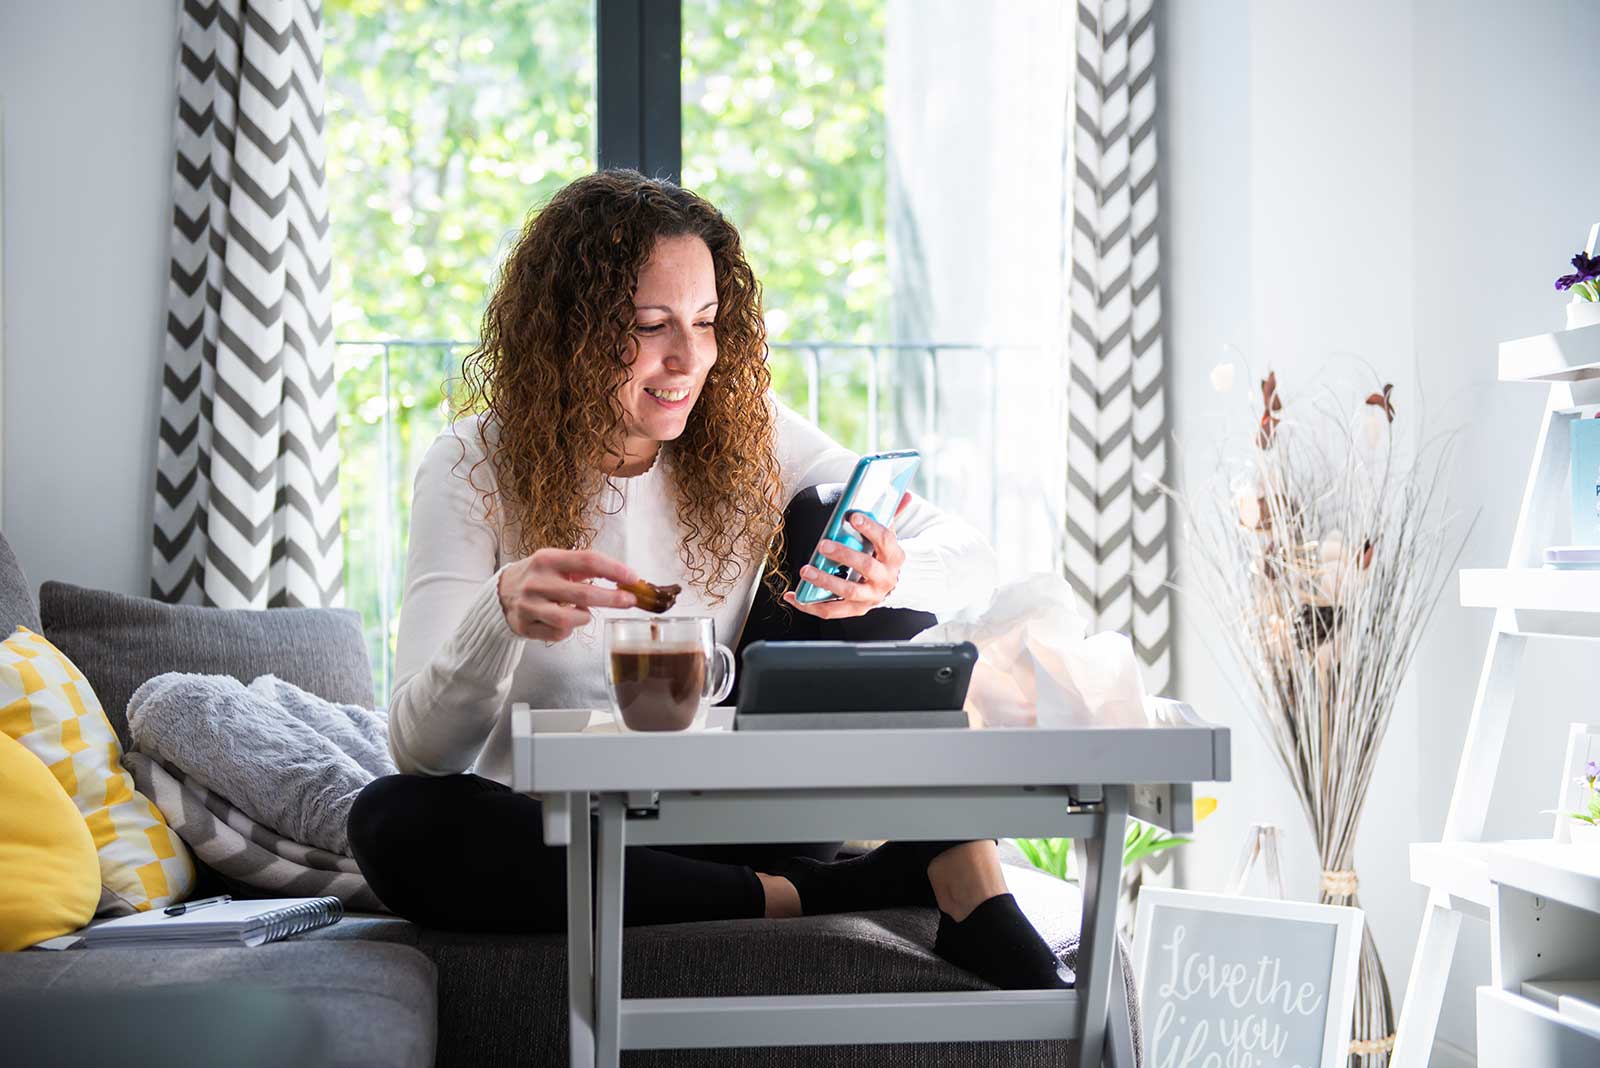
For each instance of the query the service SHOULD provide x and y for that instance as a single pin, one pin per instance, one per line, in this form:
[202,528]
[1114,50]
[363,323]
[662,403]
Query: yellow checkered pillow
[48,706]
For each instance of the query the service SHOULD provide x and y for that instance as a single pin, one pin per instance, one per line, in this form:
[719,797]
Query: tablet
[853,685]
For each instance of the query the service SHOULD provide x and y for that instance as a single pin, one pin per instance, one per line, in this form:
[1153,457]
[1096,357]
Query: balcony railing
[987,419]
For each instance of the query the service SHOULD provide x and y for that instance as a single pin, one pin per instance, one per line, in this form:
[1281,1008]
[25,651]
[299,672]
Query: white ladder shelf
[1529,601]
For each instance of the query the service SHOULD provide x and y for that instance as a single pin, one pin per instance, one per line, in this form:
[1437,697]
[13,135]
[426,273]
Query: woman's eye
[707,325]
[653,328]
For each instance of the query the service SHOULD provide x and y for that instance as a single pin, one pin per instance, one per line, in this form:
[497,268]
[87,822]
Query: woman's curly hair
[556,346]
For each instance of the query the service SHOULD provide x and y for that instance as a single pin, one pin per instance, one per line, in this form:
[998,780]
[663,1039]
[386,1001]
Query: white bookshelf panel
[1515,1032]
[1460,869]
[1577,998]
[1562,356]
[1561,871]
[1539,589]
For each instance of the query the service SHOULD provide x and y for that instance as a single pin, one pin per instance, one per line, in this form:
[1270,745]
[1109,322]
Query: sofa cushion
[120,641]
[49,871]
[48,706]
[242,1026]
[16,596]
[366,1004]
[502,998]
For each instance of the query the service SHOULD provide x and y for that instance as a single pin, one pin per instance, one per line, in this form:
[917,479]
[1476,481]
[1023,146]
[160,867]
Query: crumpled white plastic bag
[1037,667]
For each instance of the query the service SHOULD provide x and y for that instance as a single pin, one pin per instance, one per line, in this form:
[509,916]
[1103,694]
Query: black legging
[464,852]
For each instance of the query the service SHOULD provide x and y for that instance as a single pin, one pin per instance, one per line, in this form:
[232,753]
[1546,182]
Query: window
[893,165]
[783,129]
[447,122]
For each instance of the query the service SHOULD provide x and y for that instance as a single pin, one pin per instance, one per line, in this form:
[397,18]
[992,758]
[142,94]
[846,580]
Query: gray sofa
[379,990]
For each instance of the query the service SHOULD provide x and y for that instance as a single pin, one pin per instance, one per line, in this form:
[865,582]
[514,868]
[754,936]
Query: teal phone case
[863,493]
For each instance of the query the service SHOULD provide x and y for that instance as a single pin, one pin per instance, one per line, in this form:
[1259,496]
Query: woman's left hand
[879,573]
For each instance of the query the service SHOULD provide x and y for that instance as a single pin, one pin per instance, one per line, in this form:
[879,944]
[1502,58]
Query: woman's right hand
[548,595]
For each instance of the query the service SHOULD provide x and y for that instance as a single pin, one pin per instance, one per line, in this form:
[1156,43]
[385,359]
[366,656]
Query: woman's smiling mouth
[670,398]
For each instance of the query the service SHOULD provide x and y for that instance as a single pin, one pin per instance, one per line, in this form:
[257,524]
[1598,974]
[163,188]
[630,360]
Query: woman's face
[675,314]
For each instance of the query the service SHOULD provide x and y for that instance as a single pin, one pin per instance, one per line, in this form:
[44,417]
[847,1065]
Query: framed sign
[1234,981]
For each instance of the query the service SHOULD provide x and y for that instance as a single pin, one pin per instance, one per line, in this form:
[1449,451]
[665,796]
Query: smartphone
[875,488]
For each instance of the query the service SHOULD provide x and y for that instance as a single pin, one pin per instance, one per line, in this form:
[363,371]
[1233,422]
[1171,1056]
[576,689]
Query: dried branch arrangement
[1320,549]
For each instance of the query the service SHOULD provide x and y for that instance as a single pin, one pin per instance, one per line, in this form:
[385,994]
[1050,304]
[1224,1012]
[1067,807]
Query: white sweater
[459,666]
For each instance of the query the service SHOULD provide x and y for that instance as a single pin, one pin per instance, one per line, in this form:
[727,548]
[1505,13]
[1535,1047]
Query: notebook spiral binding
[306,916]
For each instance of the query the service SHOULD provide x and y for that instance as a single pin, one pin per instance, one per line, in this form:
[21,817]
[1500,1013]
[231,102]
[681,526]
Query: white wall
[1400,182]
[1288,197]
[88,99]
[1502,191]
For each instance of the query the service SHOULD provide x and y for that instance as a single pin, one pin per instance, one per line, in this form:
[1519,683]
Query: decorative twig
[1321,561]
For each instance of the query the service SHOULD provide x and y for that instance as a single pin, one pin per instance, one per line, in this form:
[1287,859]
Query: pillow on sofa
[49,874]
[48,706]
[244,851]
[120,641]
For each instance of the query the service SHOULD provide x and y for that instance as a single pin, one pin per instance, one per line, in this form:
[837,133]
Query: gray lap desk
[723,786]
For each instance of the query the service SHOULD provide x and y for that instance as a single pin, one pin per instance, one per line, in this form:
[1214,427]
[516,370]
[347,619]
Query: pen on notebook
[190,906]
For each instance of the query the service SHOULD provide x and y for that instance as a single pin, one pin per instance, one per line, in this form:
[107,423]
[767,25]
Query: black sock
[889,876]
[997,943]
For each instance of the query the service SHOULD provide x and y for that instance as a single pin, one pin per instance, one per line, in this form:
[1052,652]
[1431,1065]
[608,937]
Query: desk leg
[608,906]
[580,936]
[1097,946]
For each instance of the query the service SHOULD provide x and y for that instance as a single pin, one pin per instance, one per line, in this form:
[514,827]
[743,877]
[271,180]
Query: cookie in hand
[652,598]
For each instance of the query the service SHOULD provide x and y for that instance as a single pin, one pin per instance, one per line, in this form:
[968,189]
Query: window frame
[638,86]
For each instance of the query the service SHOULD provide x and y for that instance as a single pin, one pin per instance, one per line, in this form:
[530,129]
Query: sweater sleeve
[456,654]
[948,564]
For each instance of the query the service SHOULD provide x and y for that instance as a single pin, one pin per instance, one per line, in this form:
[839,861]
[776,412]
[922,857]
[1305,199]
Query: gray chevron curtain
[247,474]
[1116,550]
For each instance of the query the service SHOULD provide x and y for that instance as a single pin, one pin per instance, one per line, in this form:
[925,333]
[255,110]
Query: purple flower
[1591,770]
[1588,270]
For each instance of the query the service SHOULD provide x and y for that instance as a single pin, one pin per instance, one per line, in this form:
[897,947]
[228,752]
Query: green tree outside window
[448,121]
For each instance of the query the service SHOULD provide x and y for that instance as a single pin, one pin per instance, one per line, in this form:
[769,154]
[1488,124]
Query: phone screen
[875,488]
[878,492]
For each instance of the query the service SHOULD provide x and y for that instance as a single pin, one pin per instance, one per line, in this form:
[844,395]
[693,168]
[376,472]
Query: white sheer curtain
[976,116]
[1022,221]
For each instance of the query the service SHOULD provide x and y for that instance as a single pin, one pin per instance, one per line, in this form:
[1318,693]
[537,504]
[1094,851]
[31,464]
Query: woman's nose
[690,352]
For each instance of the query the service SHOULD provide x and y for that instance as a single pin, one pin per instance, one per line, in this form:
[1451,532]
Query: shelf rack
[1530,602]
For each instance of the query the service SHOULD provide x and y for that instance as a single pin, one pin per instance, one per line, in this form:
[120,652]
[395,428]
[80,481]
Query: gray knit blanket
[286,758]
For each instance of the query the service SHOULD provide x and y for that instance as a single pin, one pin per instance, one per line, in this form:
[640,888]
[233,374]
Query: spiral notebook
[233,923]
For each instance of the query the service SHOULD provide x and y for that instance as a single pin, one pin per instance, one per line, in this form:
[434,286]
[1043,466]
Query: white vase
[1586,834]
[1582,312]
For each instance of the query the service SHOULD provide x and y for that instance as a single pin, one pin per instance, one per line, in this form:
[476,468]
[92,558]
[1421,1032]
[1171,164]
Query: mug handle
[725,670]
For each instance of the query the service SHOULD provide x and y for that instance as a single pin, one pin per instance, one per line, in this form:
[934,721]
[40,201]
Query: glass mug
[663,674]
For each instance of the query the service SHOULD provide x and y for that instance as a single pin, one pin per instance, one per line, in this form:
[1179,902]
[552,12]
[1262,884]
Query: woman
[618,424]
